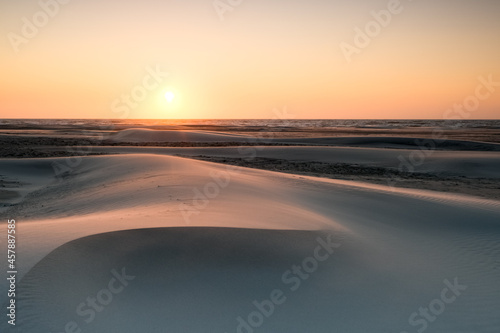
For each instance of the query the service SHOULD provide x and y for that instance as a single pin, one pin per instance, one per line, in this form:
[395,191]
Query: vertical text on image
[11,271]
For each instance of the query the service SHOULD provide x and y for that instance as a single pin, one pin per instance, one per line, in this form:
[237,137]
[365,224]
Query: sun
[169,96]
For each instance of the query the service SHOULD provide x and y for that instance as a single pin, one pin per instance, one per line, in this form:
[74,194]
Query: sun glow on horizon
[169,96]
[178,59]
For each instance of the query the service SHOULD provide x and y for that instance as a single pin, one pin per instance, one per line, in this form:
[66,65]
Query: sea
[249,123]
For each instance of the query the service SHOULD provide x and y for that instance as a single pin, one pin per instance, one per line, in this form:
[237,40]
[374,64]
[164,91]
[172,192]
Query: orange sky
[86,59]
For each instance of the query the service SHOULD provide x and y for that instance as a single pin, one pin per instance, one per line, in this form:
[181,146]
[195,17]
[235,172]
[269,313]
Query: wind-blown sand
[456,163]
[148,135]
[135,135]
[462,172]
[201,241]
[397,247]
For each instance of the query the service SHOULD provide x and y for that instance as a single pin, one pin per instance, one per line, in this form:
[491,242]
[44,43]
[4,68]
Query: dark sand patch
[480,187]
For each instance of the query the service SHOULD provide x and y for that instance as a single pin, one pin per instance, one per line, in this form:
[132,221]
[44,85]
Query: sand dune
[456,163]
[18,178]
[111,183]
[170,276]
[398,142]
[397,247]
[149,135]
[215,275]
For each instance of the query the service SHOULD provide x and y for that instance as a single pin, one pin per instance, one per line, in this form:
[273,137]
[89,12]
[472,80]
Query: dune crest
[247,229]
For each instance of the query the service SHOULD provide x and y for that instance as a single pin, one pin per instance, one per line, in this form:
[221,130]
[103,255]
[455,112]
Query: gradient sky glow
[263,55]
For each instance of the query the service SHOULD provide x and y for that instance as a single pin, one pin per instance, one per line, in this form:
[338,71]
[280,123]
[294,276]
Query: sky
[408,59]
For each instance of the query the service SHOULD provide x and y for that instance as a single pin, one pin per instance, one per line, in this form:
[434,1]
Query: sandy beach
[290,234]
